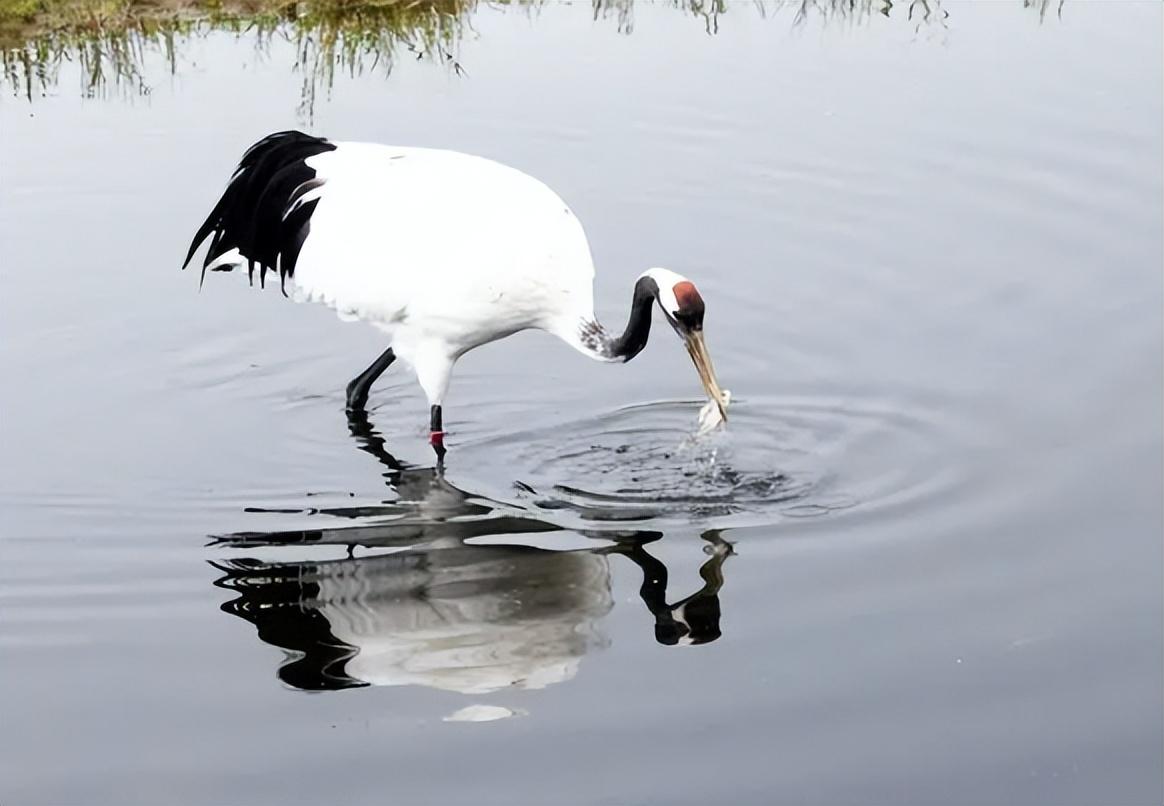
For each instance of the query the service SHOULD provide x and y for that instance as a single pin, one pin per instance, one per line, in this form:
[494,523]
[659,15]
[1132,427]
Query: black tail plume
[255,214]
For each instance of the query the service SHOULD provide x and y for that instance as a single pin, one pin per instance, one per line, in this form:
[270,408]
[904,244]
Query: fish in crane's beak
[697,349]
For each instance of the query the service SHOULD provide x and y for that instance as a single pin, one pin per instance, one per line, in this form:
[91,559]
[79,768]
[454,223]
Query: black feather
[257,214]
[296,225]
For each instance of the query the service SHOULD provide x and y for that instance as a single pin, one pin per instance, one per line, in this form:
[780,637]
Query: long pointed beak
[697,349]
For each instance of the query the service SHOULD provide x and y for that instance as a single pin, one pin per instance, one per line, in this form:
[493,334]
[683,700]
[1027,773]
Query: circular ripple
[778,458]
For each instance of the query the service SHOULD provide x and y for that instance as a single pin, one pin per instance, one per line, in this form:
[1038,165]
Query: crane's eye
[690,319]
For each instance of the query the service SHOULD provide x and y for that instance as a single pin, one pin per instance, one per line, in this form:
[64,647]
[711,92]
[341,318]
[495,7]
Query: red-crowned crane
[441,251]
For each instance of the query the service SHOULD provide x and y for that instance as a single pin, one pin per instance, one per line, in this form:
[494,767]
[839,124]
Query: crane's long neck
[606,347]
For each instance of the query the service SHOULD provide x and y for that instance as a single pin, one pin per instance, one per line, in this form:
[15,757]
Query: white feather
[442,251]
[230,258]
[666,280]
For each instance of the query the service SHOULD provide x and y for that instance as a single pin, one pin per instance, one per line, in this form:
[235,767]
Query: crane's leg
[433,363]
[358,388]
[436,432]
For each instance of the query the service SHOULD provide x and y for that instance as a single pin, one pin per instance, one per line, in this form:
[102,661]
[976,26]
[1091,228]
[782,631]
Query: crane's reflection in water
[439,611]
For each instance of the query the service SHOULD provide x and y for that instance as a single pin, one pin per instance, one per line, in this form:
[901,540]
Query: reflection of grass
[353,38]
[1043,6]
[110,39]
[799,11]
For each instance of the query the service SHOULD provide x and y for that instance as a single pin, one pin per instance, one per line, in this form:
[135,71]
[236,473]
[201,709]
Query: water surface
[922,565]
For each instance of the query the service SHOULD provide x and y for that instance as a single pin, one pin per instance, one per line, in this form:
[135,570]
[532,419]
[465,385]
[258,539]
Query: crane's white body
[440,250]
[443,252]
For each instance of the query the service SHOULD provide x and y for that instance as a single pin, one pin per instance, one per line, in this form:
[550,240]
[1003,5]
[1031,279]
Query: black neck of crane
[638,327]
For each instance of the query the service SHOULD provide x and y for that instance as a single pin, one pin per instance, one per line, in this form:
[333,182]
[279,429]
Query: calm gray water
[923,565]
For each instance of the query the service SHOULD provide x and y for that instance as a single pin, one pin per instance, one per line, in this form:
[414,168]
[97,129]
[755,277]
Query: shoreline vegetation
[110,40]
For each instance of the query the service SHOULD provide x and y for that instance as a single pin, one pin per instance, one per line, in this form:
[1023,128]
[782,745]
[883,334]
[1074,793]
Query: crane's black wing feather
[258,213]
